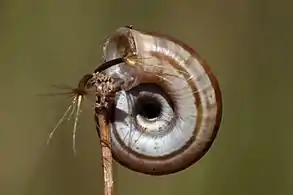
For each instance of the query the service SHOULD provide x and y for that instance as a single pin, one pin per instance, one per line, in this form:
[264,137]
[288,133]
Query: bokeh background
[248,44]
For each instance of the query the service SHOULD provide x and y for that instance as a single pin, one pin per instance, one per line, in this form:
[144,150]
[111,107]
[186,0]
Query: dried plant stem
[106,151]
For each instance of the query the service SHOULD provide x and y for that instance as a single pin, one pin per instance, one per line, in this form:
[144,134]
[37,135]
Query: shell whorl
[170,79]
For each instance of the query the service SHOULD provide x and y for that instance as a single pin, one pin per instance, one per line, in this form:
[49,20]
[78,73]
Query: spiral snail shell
[169,114]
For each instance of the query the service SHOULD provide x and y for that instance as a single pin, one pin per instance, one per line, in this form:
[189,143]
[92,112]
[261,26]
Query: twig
[107,160]
[106,88]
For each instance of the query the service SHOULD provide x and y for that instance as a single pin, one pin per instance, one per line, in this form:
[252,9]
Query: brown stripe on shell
[169,163]
[212,78]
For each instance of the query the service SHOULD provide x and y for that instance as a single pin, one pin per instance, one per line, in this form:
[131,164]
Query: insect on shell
[169,114]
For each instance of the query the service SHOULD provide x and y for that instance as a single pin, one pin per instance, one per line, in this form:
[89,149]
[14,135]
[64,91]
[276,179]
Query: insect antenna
[78,94]
[108,64]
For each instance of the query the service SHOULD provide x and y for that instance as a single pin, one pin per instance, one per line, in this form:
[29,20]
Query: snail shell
[169,114]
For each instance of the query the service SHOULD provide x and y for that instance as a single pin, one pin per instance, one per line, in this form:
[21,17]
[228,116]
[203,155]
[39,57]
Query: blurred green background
[248,44]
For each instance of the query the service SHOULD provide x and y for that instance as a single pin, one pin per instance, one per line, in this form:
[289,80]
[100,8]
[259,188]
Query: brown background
[248,44]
